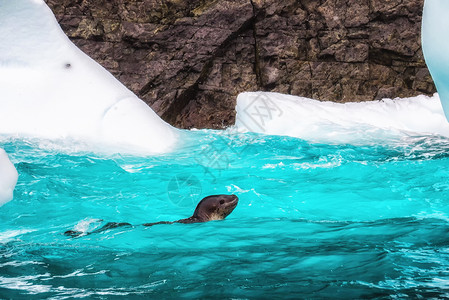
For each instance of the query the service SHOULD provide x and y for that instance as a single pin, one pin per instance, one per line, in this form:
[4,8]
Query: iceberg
[336,123]
[52,90]
[435,26]
[8,178]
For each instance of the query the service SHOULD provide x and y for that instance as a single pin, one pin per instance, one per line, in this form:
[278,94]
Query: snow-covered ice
[329,122]
[50,89]
[8,178]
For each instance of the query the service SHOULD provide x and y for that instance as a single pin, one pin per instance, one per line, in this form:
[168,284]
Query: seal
[210,208]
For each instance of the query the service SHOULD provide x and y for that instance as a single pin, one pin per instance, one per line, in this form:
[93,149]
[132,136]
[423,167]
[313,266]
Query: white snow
[329,122]
[50,89]
[8,178]
[435,43]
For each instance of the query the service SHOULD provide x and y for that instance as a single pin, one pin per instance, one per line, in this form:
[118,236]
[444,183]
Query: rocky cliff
[189,59]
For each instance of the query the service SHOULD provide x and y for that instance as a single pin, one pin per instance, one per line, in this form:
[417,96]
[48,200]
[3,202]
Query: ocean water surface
[313,221]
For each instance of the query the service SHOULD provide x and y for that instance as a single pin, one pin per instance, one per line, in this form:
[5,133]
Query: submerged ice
[8,178]
[50,89]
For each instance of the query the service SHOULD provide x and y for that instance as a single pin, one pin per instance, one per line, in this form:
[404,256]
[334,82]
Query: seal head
[215,207]
[210,208]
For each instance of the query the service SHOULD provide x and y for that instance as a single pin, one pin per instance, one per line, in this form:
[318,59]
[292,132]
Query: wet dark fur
[215,207]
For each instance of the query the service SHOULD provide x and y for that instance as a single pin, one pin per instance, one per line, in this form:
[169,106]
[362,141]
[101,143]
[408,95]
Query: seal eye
[222,202]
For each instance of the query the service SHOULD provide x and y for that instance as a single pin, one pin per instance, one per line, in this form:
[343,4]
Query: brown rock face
[189,59]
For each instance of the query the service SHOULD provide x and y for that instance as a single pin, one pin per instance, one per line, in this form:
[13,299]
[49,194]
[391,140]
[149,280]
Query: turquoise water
[313,221]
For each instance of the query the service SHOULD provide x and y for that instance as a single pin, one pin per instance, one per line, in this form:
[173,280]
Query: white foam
[87,224]
[10,235]
[329,122]
[435,26]
[50,89]
[8,178]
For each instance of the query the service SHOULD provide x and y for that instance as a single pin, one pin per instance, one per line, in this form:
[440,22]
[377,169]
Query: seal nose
[234,197]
